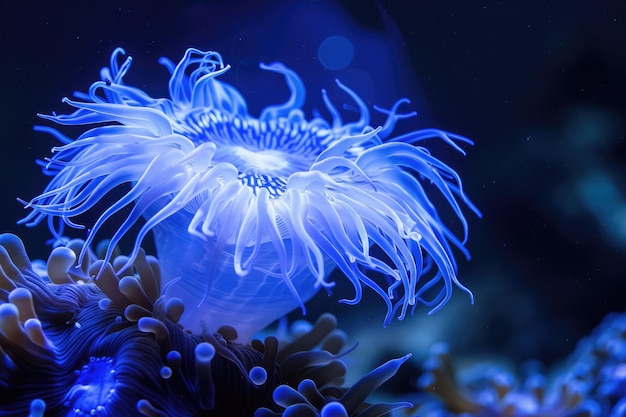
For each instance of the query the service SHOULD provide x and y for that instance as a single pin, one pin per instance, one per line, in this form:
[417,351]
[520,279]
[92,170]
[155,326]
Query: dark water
[539,86]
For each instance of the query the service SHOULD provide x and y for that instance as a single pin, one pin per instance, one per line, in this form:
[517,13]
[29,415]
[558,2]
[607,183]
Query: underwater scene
[313,208]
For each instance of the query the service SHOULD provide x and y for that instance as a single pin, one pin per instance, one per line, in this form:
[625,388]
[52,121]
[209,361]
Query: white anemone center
[266,161]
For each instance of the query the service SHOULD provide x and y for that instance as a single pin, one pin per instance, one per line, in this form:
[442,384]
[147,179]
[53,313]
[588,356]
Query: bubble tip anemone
[147,365]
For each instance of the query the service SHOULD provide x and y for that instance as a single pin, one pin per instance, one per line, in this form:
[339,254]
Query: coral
[489,390]
[599,362]
[590,383]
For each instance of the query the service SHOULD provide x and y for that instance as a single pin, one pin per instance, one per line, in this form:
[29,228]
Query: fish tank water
[313,208]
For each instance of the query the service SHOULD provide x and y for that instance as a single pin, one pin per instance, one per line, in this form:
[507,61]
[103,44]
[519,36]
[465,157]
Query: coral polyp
[251,213]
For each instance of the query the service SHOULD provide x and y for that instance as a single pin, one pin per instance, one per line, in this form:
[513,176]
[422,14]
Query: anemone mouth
[265,153]
[94,386]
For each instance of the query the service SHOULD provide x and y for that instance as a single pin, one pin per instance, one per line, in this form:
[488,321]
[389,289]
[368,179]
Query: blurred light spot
[603,199]
[335,52]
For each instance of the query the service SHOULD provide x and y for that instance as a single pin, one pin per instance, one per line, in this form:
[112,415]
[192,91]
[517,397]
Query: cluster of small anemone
[72,345]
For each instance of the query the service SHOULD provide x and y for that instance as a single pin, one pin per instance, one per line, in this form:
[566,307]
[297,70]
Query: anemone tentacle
[272,199]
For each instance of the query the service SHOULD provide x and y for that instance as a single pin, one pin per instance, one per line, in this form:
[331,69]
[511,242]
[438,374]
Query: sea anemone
[250,214]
